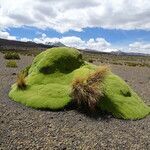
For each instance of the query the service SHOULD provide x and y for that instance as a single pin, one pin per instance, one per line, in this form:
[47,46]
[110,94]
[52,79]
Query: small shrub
[117,63]
[21,82]
[11,55]
[11,64]
[87,91]
[91,60]
[133,64]
[29,54]
[145,65]
[25,70]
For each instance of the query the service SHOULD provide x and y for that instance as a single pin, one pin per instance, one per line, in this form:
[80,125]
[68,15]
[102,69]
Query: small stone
[13,73]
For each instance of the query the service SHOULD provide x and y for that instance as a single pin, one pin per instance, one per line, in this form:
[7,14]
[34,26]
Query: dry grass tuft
[21,82]
[98,75]
[86,92]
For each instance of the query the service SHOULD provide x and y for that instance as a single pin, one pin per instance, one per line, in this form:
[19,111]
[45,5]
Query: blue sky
[93,24]
[114,36]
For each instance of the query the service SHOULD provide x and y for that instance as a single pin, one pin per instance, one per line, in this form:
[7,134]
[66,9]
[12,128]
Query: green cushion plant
[51,82]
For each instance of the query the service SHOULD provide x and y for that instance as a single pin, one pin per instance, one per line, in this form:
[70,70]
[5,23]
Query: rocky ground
[25,128]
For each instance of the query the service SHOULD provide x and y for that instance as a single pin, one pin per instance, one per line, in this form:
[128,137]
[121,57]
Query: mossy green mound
[49,83]
[121,100]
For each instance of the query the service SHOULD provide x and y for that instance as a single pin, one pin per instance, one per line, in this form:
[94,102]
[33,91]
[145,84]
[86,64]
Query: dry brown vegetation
[128,60]
[21,82]
[87,91]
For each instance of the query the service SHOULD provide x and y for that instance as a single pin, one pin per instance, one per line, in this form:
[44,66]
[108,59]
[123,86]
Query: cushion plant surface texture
[49,84]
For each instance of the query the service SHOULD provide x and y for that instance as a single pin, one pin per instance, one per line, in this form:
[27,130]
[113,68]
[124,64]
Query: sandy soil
[25,128]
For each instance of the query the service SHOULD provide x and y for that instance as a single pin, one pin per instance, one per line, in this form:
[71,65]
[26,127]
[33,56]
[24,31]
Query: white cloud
[140,47]
[73,41]
[6,35]
[25,39]
[99,44]
[63,15]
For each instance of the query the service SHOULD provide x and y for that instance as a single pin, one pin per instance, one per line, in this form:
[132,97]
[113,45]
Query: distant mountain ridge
[29,45]
[129,53]
[26,46]
[117,52]
[57,44]
[19,45]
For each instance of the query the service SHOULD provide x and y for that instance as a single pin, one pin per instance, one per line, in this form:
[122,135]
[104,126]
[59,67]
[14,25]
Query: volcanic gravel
[23,128]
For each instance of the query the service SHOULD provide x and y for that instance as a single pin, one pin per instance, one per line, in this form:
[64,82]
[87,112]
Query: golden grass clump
[98,75]
[21,82]
[87,92]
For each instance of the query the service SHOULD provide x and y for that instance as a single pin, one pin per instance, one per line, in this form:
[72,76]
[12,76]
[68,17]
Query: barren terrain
[26,128]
